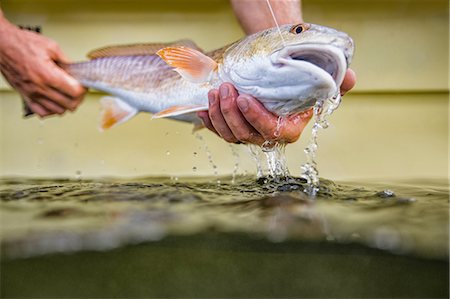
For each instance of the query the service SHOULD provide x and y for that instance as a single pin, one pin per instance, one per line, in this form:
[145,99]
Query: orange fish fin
[191,64]
[114,112]
[138,49]
[178,110]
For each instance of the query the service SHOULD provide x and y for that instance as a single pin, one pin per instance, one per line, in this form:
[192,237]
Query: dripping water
[254,153]
[235,154]
[322,110]
[208,155]
[276,161]
[270,160]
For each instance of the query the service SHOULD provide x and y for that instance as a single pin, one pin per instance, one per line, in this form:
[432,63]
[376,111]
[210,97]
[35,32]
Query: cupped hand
[31,63]
[243,119]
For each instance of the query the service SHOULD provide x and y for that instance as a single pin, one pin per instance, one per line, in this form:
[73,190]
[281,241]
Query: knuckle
[44,76]
[34,92]
[35,78]
[226,109]
[51,44]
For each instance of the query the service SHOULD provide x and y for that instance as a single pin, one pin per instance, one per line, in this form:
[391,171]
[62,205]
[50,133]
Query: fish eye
[297,29]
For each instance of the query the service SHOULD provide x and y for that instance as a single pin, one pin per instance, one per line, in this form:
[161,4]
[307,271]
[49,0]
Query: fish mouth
[327,57]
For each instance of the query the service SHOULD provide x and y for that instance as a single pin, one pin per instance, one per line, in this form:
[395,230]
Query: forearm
[5,30]
[254,15]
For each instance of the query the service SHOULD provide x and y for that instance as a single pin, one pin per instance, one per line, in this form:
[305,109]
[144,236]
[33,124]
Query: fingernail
[224,91]
[242,103]
[211,98]
[73,82]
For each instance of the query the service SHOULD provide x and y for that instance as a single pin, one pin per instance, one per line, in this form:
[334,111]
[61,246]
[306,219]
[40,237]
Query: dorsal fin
[139,49]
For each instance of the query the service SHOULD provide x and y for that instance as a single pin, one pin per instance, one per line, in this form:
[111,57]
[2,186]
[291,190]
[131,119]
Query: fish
[286,69]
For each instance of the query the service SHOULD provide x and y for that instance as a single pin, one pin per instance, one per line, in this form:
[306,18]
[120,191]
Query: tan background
[394,124]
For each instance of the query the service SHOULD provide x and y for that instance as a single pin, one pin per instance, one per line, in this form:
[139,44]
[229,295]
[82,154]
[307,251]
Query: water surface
[42,216]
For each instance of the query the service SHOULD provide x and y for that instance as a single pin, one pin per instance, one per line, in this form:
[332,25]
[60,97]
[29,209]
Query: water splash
[270,160]
[276,161]
[322,110]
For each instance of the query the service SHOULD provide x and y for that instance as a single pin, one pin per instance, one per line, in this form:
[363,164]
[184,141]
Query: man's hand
[31,63]
[242,119]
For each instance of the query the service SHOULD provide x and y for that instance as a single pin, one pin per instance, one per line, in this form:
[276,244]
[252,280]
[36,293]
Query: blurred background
[393,124]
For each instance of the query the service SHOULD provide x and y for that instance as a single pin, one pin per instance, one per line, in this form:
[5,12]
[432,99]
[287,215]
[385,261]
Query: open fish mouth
[327,57]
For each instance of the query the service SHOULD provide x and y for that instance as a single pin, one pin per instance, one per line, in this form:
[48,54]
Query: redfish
[287,70]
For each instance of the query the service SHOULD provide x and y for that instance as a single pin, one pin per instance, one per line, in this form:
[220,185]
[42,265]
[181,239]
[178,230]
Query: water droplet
[386,193]
[194,169]
[195,153]
[208,153]
[167,153]
[78,174]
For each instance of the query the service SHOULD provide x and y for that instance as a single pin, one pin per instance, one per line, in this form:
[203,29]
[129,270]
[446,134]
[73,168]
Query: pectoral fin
[179,110]
[114,112]
[191,64]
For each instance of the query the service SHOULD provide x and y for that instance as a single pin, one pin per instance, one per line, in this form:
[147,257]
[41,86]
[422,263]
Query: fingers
[51,107]
[284,130]
[65,84]
[242,118]
[236,122]
[38,109]
[217,119]
[32,65]
[349,81]
[259,117]
[204,116]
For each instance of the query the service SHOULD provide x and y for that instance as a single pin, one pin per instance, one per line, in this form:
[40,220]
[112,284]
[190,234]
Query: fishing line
[276,23]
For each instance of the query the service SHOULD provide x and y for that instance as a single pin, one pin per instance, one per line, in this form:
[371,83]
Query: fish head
[289,68]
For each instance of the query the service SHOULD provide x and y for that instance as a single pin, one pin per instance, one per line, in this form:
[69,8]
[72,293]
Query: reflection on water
[45,216]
